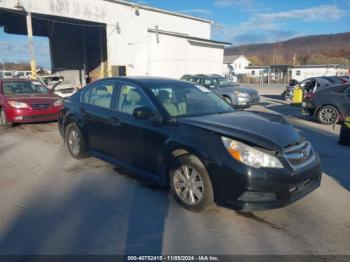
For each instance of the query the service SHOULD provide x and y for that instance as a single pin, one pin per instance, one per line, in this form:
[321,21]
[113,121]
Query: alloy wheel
[188,185]
[74,142]
[328,115]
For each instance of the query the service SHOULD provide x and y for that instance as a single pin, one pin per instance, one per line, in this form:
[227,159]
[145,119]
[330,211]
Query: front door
[138,142]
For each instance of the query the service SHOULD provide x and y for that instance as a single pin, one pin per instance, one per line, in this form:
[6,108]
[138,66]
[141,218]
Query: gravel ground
[53,204]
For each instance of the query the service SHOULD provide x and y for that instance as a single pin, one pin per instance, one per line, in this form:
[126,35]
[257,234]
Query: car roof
[204,75]
[146,81]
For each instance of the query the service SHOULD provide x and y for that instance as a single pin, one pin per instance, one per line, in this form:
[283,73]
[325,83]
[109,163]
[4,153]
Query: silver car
[232,93]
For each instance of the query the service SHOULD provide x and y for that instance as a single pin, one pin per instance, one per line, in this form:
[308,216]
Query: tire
[227,100]
[190,184]
[75,142]
[328,115]
[3,120]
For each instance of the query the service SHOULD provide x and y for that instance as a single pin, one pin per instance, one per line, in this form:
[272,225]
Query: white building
[114,37]
[238,63]
[305,71]
[257,71]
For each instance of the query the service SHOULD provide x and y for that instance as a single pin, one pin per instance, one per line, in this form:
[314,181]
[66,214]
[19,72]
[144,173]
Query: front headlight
[18,105]
[58,102]
[249,155]
[241,94]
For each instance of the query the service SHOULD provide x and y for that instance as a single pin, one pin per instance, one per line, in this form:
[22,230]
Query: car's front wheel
[75,142]
[3,120]
[328,115]
[191,184]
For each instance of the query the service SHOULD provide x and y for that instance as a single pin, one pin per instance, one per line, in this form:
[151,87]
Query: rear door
[95,111]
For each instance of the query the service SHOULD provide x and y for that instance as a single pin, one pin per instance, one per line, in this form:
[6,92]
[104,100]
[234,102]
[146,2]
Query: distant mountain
[314,49]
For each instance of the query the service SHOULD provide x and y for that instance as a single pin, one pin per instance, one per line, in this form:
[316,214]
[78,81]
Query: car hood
[33,98]
[250,91]
[63,87]
[270,131]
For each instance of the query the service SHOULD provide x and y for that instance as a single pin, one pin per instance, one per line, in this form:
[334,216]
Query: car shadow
[275,97]
[334,157]
[87,212]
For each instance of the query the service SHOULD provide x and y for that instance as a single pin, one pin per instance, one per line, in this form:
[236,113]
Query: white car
[64,88]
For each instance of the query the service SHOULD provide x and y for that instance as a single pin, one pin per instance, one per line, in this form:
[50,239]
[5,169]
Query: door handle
[82,111]
[114,121]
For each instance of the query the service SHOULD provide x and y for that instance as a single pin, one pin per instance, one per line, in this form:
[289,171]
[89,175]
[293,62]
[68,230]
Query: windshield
[24,87]
[181,100]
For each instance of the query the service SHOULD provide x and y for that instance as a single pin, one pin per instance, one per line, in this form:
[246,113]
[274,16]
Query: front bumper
[29,115]
[247,101]
[277,187]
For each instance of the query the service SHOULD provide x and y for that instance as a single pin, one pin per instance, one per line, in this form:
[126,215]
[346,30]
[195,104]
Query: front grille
[299,155]
[252,93]
[38,117]
[40,106]
[254,99]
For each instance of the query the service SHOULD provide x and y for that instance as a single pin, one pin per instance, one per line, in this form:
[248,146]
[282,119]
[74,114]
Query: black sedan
[183,135]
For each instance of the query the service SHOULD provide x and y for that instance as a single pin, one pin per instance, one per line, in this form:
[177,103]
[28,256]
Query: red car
[23,101]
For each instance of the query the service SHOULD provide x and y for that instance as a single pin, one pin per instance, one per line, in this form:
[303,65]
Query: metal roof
[188,37]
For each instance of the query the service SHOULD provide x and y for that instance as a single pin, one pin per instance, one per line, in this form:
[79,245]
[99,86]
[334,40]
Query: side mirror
[212,86]
[143,113]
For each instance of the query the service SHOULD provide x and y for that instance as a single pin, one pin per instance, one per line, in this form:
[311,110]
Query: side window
[298,73]
[131,97]
[99,94]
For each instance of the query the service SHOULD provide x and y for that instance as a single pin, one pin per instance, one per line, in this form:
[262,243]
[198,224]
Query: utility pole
[31,44]
[20,7]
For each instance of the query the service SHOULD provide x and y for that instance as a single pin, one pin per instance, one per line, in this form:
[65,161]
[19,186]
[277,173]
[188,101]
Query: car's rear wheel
[227,99]
[3,120]
[191,184]
[328,115]
[75,142]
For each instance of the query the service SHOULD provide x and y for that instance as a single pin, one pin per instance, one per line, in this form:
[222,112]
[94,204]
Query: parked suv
[329,105]
[183,135]
[232,93]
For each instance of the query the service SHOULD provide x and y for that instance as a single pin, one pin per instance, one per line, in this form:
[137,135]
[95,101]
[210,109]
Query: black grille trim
[40,106]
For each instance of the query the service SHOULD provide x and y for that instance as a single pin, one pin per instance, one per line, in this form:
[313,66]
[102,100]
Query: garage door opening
[78,48]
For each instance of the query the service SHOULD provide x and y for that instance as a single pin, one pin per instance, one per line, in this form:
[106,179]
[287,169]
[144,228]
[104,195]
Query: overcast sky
[238,22]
